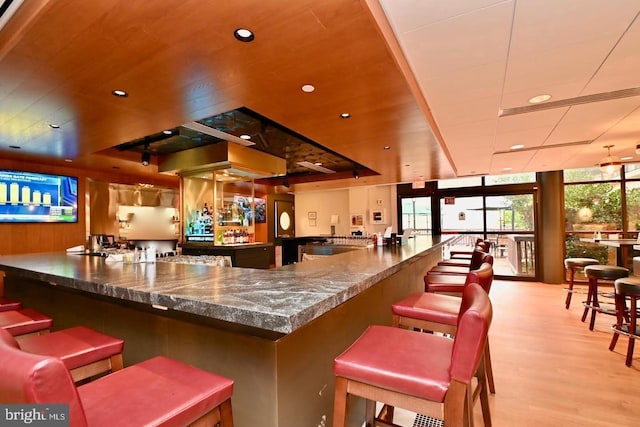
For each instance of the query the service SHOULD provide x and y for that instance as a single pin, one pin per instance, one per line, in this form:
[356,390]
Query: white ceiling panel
[552,158]
[614,73]
[409,15]
[601,116]
[465,41]
[556,67]
[508,162]
[546,25]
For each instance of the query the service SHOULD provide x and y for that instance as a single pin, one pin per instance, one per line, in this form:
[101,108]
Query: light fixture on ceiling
[517,147]
[610,164]
[539,98]
[120,93]
[308,88]
[345,115]
[146,156]
[54,126]
[356,174]
[244,35]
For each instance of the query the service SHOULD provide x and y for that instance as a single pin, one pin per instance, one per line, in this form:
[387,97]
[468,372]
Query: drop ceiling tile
[621,70]
[533,120]
[601,116]
[465,41]
[571,68]
[516,160]
[410,15]
[479,81]
[466,110]
[545,25]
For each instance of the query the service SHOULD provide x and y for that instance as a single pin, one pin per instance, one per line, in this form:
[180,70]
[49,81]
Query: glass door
[416,215]
[508,221]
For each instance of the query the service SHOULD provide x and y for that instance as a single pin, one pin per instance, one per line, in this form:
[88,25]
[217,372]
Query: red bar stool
[466,254]
[84,351]
[595,273]
[476,261]
[572,265]
[24,322]
[425,373]
[158,391]
[626,317]
[7,304]
[439,313]
[456,258]
[450,283]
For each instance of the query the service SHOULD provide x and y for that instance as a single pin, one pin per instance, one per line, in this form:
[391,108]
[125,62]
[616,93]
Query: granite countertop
[278,300]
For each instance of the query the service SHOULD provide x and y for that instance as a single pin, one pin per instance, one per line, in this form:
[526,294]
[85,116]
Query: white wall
[344,203]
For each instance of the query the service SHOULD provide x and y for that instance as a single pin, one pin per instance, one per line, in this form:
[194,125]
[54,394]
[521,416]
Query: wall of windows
[496,208]
[596,202]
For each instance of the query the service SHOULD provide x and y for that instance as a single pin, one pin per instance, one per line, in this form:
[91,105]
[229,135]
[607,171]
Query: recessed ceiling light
[506,169]
[308,88]
[539,98]
[15,147]
[167,132]
[245,136]
[243,35]
[68,160]
[345,115]
[54,126]
[387,147]
[517,147]
[624,159]
[120,93]
[318,163]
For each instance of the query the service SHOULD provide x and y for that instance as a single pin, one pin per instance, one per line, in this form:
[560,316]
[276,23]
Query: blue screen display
[37,197]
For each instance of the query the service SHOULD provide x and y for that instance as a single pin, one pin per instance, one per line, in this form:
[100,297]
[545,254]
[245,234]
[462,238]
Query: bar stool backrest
[32,378]
[476,259]
[482,276]
[471,336]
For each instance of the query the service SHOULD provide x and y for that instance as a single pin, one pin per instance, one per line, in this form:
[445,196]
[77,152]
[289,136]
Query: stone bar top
[278,300]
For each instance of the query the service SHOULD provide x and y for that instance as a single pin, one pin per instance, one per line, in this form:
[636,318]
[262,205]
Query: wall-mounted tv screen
[37,197]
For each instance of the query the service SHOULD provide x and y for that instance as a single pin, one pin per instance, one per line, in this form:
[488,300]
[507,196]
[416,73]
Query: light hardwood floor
[549,369]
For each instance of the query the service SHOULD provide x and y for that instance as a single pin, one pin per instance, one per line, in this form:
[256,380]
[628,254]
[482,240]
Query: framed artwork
[312,215]
[357,220]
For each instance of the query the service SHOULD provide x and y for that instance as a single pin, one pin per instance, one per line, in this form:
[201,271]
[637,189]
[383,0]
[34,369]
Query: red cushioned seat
[84,351]
[369,360]
[7,304]
[159,391]
[416,371]
[179,394]
[25,321]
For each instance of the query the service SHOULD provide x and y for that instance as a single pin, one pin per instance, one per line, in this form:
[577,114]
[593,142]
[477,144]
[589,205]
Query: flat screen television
[37,197]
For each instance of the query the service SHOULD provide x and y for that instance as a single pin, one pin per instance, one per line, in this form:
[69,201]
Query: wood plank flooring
[549,369]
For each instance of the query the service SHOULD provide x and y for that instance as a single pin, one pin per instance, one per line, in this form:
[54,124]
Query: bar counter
[275,332]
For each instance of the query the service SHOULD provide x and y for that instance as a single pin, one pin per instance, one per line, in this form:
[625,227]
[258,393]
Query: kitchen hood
[224,155]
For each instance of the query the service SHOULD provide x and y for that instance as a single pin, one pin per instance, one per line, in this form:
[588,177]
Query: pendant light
[610,164]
